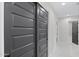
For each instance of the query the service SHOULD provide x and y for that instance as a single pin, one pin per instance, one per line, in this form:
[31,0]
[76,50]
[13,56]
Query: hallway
[39,29]
[66,49]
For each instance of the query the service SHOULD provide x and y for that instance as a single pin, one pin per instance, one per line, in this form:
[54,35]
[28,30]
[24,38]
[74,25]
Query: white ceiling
[70,9]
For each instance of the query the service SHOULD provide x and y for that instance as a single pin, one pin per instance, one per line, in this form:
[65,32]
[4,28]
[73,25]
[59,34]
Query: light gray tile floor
[66,49]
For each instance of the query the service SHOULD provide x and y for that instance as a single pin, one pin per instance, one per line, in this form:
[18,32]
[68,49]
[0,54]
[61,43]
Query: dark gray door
[75,32]
[42,31]
[19,18]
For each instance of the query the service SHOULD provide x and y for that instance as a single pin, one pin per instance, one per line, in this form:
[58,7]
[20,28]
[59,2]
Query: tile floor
[66,49]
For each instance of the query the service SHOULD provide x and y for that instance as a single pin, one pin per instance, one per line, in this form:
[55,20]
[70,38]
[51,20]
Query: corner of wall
[52,28]
[1,29]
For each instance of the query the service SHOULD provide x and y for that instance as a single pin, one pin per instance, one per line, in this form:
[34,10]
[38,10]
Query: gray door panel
[19,29]
[30,6]
[22,22]
[42,31]
[75,32]
[22,50]
[25,29]
[29,54]
[16,10]
[20,41]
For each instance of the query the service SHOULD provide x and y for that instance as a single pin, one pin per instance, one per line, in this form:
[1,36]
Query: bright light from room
[68,20]
[63,4]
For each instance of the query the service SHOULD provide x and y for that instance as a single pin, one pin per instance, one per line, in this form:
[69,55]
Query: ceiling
[65,9]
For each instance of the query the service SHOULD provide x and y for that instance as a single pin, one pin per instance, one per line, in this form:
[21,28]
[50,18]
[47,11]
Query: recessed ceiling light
[63,4]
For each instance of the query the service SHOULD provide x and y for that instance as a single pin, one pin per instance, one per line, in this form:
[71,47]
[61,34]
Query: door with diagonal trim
[42,31]
[19,27]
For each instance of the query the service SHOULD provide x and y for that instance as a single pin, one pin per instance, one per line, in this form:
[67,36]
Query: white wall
[1,29]
[51,28]
[65,29]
